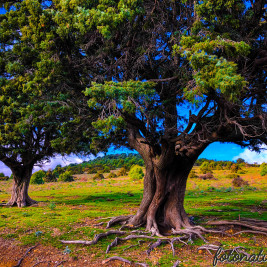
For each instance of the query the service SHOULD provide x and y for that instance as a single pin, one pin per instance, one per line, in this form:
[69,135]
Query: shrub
[38,177]
[112,175]
[98,176]
[192,174]
[136,172]
[50,177]
[122,171]
[263,169]
[205,167]
[66,177]
[207,176]
[2,174]
[238,182]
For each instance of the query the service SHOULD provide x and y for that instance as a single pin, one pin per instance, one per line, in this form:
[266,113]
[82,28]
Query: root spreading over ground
[183,236]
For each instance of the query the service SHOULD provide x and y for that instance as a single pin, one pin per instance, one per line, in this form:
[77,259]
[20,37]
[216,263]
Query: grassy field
[71,211]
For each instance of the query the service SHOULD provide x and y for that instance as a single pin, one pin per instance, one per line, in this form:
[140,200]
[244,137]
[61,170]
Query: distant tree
[49,177]
[38,177]
[240,160]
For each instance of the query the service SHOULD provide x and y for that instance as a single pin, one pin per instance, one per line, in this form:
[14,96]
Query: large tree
[178,76]
[39,92]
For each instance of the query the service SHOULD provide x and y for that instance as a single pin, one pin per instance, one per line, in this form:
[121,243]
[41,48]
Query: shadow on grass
[112,198]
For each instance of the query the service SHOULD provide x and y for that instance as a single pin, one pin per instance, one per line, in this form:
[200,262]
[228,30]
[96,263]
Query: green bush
[2,174]
[66,177]
[38,177]
[112,175]
[136,172]
[98,176]
[50,177]
[263,169]
[192,175]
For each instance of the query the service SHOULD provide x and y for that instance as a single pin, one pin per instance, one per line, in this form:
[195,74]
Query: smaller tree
[38,177]
[136,173]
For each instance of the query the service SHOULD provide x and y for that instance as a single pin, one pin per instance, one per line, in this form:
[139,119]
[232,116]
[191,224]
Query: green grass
[69,210]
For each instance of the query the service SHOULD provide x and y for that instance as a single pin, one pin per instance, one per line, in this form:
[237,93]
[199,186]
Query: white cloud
[63,161]
[252,156]
[52,163]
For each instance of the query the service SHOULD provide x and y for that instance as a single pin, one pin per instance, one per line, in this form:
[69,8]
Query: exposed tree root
[26,253]
[96,238]
[124,260]
[155,245]
[208,248]
[184,237]
[251,232]
[260,226]
[119,219]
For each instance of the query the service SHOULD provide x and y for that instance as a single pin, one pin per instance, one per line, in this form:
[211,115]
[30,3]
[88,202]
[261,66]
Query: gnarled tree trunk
[19,195]
[162,206]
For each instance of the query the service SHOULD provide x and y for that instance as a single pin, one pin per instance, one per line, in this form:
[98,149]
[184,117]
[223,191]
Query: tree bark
[162,206]
[19,195]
